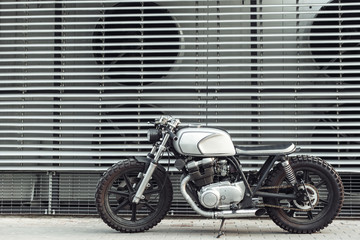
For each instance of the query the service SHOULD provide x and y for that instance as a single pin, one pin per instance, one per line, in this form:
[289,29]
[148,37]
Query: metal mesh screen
[80,79]
[25,193]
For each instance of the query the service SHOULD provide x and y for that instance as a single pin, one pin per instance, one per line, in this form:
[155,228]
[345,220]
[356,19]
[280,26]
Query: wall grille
[79,79]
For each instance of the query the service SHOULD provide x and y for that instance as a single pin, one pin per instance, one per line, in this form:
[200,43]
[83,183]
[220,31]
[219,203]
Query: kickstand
[221,227]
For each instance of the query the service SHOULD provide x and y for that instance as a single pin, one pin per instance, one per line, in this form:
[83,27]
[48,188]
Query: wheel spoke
[310,215]
[133,212]
[319,184]
[121,206]
[325,202]
[151,208]
[152,191]
[307,177]
[120,193]
[128,183]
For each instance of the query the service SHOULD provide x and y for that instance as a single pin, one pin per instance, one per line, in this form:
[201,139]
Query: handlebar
[169,123]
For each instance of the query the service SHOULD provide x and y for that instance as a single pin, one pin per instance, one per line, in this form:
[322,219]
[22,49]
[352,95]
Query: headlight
[153,135]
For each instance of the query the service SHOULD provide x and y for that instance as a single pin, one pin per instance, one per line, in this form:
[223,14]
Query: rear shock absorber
[289,171]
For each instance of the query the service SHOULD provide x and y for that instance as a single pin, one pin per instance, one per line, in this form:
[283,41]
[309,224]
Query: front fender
[159,168]
[147,162]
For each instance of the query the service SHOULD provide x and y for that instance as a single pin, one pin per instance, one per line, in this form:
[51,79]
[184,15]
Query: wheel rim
[313,195]
[119,194]
[321,195]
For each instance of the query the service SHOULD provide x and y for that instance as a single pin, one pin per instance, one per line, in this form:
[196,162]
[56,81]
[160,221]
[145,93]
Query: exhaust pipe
[217,214]
[192,204]
[242,213]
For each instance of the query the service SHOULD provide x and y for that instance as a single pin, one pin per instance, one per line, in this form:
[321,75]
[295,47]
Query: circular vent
[336,135]
[337,21]
[137,41]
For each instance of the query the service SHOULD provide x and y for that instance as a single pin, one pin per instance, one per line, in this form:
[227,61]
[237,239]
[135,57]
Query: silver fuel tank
[205,142]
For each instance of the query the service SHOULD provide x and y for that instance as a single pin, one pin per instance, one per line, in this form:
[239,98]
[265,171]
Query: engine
[222,195]
[213,179]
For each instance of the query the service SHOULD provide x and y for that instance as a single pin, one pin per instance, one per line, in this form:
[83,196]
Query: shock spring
[289,171]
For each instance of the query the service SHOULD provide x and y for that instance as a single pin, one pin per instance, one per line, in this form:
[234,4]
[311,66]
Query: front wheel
[116,190]
[320,195]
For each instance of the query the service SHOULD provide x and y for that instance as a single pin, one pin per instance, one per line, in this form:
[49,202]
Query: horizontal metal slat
[128,110]
[212,73]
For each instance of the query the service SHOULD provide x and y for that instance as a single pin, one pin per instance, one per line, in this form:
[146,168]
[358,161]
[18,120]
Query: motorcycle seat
[267,150]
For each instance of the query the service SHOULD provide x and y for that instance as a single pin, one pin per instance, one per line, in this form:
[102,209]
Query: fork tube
[161,149]
[144,182]
[150,170]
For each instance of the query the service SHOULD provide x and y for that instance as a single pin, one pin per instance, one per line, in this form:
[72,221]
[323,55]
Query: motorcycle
[300,193]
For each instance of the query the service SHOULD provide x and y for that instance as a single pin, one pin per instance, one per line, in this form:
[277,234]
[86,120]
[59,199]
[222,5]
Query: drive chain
[281,207]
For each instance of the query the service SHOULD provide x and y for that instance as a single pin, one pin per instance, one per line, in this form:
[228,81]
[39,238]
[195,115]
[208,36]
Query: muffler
[242,213]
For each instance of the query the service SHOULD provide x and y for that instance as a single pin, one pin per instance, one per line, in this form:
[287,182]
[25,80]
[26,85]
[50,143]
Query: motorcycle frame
[157,150]
[263,174]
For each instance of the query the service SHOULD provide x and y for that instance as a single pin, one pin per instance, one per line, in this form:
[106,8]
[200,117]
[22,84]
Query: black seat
[278,149]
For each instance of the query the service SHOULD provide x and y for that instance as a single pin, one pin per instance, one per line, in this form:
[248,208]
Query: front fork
[155,155]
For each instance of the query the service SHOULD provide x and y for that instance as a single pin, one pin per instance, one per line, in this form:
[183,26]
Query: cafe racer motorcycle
[300,193]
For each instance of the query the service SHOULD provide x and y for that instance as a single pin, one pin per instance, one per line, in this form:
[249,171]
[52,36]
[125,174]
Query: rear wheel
[116,190]
[320,195]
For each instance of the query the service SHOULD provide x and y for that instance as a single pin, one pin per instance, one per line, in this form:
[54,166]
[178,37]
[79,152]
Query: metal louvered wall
[80,79]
